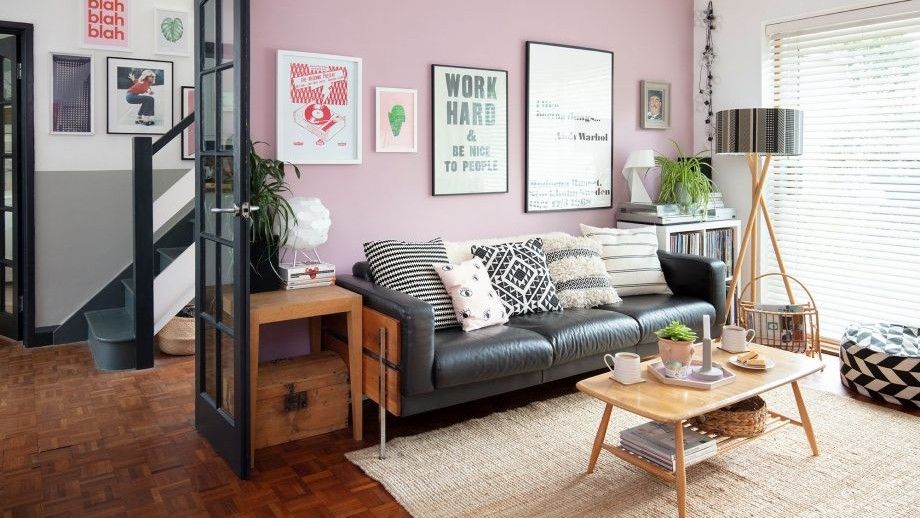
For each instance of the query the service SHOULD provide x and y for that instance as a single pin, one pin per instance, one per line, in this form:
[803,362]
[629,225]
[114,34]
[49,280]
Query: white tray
[656,370]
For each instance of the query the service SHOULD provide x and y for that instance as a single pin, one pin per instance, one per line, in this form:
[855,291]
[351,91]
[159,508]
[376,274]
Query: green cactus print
[397,117]
[172,29]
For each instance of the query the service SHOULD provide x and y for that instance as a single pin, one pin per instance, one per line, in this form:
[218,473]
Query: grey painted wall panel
[83,233]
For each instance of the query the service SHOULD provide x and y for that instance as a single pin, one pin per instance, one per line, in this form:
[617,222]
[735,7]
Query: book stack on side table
[655,442]
[307,275]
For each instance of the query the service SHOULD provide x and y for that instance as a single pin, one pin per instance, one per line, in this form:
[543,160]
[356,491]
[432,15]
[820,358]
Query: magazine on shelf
[665,461]
[659,437]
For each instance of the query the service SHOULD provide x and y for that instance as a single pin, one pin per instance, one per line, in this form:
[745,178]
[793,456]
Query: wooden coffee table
[672,404]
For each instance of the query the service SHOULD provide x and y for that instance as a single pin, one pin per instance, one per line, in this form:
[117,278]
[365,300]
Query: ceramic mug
[736,339]
[624,366]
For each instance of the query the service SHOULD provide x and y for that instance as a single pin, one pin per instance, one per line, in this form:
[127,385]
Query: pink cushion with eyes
[475,301]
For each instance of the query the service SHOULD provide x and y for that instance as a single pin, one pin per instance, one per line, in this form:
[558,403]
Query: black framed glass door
[222,229]
[11,159]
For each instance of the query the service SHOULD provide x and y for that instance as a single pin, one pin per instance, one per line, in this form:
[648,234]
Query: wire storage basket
[791,327]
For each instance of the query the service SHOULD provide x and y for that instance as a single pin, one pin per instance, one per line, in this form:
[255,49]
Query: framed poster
[396,120]
[569,128]
[139,96]
[319,108]
[187,99]
[172,32]
[656,104]
[469,130]
[107,24]
[72,94]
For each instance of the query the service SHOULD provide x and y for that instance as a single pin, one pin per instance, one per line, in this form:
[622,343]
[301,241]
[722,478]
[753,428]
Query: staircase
[163,279]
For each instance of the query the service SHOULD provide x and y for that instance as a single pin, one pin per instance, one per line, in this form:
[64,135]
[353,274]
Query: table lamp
[638,161]
[758,133]
[310,228]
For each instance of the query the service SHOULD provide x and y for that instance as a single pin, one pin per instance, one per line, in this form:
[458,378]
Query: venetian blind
[847,211]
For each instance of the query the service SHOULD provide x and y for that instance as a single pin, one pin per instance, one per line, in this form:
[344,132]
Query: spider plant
[272,222]
[683,182]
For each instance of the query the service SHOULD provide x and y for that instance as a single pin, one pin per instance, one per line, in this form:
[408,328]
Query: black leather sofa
[443,368]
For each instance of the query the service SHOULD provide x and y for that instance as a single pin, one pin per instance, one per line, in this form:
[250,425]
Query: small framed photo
[187,97]
[139,96]
[656,104]
[172,32]
[397,120]
[72,94]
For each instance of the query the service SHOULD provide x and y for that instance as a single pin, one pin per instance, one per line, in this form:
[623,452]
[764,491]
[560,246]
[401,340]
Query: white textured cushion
[475,302]
[631,259]
[576,268]
[459,251]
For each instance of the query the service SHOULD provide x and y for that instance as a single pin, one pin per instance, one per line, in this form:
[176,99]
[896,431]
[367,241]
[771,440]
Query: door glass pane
[209,177]
[7,74]
[226,31]
[210,360]
[211,289]
[208,45]
[7,129]
[227,283]
[226,373]
[9,296]
[8,233]
[227,130]
[208,112]
[8,198]
[226,198]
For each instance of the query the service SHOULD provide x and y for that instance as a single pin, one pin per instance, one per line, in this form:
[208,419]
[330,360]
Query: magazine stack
[655,441]
[307,275]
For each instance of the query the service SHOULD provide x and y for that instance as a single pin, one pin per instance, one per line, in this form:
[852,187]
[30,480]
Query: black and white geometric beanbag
[882,361]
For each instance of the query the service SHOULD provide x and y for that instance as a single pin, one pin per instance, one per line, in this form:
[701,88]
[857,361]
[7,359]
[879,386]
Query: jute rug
[531,461]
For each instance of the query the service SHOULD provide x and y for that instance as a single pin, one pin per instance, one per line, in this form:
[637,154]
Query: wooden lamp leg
[748,229]
[754,166]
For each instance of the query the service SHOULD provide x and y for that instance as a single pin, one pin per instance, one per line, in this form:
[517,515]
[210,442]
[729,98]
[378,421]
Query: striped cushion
[631,259]
[407,268]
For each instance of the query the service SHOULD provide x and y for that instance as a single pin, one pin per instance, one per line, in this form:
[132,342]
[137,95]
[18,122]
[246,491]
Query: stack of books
[307,275]
[669,214]
[655,442]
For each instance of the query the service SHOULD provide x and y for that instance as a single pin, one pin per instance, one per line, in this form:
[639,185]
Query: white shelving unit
[665,232]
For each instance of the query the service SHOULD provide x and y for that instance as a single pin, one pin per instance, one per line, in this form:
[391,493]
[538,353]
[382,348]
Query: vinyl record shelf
[699,236]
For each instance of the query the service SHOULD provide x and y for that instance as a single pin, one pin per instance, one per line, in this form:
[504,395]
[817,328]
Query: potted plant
[683,182]
[271,223]
[675,345]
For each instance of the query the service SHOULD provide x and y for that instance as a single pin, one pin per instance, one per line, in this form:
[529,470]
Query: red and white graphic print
[319,84]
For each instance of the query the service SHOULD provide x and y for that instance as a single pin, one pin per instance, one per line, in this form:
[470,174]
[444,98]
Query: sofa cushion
[576,268]
[653,312]
[488,353]
[459,251]
[520,276]
[577,333]
[475,301]
[631,259]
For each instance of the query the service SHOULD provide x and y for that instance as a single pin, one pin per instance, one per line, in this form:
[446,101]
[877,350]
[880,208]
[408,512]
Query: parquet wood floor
[77,442]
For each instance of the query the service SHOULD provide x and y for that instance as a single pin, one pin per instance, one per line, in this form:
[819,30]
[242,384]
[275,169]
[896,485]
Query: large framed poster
[469,130]
[319,108]
[139,96]
[569,128]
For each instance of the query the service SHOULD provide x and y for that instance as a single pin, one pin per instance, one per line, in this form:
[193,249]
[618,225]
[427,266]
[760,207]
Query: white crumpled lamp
[641,160]
[310,227]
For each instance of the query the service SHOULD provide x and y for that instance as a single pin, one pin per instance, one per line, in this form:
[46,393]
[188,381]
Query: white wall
[83,223]
[57,28]
[739,70]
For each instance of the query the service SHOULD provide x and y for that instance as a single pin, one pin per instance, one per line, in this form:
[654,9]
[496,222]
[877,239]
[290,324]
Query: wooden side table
[312,303]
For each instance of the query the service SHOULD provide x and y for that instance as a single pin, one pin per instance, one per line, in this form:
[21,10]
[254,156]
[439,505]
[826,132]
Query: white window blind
[847,211]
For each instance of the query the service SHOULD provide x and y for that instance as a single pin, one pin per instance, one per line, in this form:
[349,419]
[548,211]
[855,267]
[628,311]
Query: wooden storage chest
[301,397]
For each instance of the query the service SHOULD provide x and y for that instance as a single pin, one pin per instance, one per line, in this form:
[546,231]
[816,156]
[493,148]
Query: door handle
[245,211]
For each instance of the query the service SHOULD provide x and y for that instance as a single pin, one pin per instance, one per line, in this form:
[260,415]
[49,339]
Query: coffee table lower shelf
[725,443]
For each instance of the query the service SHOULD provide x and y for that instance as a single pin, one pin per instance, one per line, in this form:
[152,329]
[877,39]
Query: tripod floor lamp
[760,134]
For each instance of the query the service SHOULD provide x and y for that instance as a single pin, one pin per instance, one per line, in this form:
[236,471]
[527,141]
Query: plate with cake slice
[752,360]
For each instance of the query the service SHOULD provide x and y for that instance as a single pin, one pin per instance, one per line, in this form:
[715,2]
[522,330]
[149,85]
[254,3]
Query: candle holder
[707,371]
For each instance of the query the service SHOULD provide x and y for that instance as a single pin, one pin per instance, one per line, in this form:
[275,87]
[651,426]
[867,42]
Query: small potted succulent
[675,345]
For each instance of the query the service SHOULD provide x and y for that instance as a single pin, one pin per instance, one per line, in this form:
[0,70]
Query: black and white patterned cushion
[882,361]
[520,276]
[407,268]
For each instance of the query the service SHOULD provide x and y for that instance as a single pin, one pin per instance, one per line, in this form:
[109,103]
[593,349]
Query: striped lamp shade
[775,131]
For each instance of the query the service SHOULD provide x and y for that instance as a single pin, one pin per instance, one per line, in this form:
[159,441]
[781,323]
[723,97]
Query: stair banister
[144,149]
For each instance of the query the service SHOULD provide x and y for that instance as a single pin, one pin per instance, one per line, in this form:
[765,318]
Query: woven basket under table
[743,419]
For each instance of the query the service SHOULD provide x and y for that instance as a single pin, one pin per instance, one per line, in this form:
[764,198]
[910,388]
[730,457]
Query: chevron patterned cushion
[408,268]
[520,276]
[882,361]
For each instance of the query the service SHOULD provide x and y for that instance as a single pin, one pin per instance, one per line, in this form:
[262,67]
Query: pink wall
[388,196]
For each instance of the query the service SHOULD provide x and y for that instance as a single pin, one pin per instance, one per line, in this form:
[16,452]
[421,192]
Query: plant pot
[676,357]
[684,200]
[263,268]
